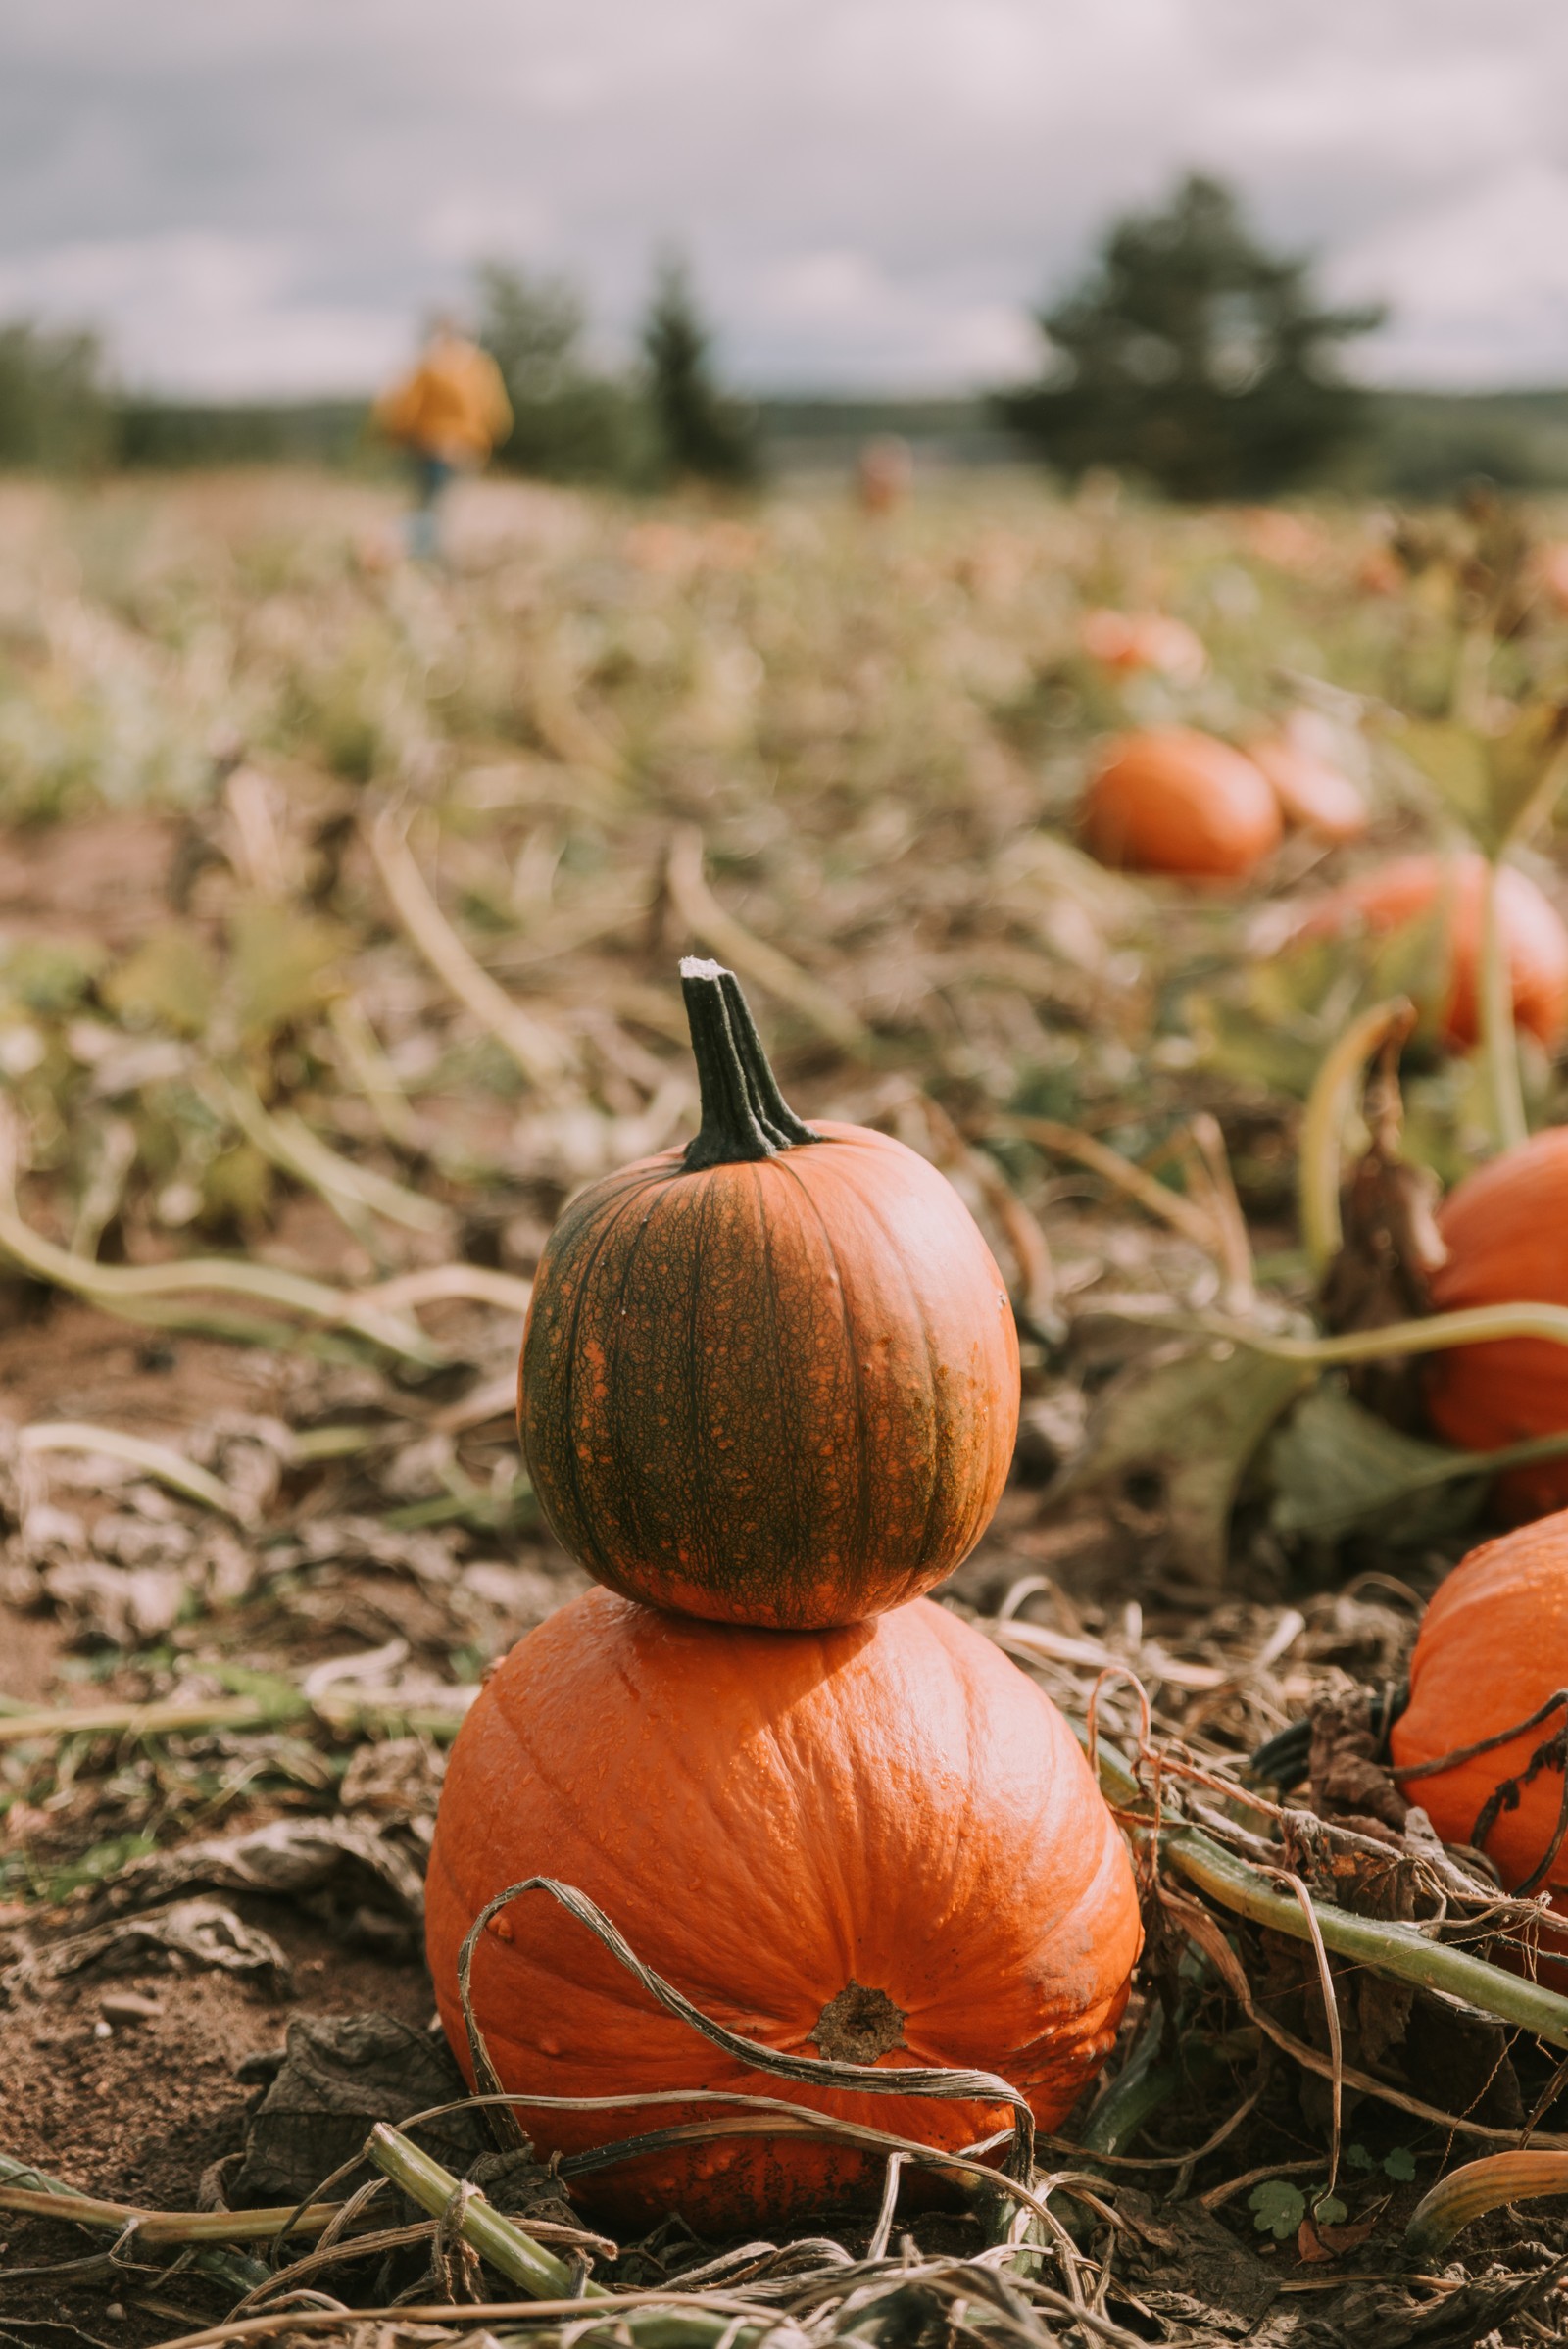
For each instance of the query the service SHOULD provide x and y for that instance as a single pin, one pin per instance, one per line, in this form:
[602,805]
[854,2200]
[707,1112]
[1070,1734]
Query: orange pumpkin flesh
[1170,800]
[881,1842]
[1492,1647]
[1504,1227]
[772,1379]
[1409,888]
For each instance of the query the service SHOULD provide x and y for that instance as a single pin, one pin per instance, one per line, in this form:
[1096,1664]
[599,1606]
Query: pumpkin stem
[744,1114]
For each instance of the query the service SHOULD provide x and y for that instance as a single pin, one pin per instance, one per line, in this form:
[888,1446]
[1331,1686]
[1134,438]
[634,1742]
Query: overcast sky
[263,195]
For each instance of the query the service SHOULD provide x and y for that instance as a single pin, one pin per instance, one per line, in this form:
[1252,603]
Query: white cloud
[267,194]
[216,315]
[1482,280]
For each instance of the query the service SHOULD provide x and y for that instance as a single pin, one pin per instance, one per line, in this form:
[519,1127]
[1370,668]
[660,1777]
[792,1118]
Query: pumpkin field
[975,1750]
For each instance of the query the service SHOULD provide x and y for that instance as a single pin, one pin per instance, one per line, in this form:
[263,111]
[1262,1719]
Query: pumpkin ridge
[601,1244]
[771,1292]
[863,1481]
[664,1191]
[699,1514]
[933,1481]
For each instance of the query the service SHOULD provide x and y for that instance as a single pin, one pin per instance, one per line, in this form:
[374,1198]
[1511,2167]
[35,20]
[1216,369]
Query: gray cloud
[264,194]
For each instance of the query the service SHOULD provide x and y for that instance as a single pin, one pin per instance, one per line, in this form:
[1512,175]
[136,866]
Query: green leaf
[1399,2164]
[1336,1468]
[1192,1417]
[1454,761]
[1523,765]
[1330,2211]
[280,966]
[1356,2157]
[1277,2207]
[169,981]
[1493,783]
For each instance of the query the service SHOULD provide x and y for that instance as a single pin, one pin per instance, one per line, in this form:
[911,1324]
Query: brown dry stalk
[733,943]
[171,2226]
[1157,1198]
[1037,1275]
[538,1050]
[1331,2012]
[157,1460]
[1235,1246]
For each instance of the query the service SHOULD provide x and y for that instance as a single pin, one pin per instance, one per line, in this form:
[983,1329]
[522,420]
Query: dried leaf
[1192,1417]
[340,2073]
[197,1932]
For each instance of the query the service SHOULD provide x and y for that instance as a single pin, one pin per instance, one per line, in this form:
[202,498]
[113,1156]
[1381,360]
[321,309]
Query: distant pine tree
[1194,356]
[55,407]
[569,423]
[704,433]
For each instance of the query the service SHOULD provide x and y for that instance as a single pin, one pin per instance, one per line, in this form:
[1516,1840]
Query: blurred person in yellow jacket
[449,414]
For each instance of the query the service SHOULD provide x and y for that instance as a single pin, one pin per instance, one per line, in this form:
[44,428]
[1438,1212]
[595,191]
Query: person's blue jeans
[432,474]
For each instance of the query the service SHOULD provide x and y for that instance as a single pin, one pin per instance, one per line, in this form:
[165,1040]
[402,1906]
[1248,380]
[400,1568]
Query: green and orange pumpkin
[1492,1651]
[1503,1229]
[772,1377]
[879,1845]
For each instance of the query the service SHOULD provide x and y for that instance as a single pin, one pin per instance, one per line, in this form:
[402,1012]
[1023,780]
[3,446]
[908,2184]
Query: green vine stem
[1389,1947]
[1333,1097]
[1476,1325]
[1476,2187]
[1500,1042]
[527,2264]
[498,2239]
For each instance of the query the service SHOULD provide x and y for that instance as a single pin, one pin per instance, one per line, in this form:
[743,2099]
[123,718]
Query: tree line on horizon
[1188,356]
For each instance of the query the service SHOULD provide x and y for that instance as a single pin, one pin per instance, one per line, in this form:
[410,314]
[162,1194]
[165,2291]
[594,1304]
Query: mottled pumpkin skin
[1170,800]
[1492,1646]
[783,1391]
[1408,889]
[1505,1230]
[769,1818]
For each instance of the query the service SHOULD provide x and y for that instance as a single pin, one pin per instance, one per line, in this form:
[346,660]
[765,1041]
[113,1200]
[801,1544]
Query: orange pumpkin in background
[1170,800]
[882,1844]
[1550,568]
[1404,892]
[1492,1647]
[1130,641]
[1311,791]
[1504,1227]
[772,1377]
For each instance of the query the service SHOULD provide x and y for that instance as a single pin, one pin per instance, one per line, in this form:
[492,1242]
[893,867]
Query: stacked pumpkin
[768,1394]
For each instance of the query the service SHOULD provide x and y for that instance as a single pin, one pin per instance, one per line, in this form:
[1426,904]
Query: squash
[879,1845]
[1311,792]
[1170,800]
[772,1377]
[1399,894]
[1130,641]
[1494,1648]
[1504,1230]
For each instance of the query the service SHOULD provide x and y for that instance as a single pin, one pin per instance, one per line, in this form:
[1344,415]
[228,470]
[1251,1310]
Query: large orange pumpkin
[1403,891]
[1504,1227]
[772,1378]
[880,1844]
[1494,1648]
[1170,800]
